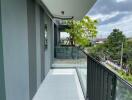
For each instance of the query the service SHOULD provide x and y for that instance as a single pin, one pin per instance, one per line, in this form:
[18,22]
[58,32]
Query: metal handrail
[115,76]
[121,79]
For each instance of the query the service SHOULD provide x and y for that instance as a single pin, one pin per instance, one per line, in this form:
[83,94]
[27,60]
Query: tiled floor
[60,84]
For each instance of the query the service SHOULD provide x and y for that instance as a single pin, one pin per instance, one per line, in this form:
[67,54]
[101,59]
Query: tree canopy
[114,43]
[81,32]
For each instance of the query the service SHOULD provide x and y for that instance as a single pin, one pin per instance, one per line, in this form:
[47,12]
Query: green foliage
[130,66]
[81,32]
[125,76]
[114,43]
[111,48]
[128,49]
[97,51]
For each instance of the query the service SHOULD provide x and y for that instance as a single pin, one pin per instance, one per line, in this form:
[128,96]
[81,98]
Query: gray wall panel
[15,49]
[2,80]
[42,39]
[32,47]
[38,46]
[49,52]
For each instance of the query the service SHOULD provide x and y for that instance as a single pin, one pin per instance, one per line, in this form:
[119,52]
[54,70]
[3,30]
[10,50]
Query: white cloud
[124,25]
[105,17]
[121,0]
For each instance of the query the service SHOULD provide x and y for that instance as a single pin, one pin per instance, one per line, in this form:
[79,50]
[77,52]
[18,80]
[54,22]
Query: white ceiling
[71,8]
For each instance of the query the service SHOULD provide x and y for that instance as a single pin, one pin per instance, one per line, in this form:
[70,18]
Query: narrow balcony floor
[60,84]
[68,63]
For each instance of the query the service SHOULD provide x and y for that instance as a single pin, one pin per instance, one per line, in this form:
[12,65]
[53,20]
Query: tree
[114,43]
[81,32]
[128,49]
[97,51]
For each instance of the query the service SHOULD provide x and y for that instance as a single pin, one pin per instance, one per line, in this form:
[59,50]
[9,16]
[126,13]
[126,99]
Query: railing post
[114,82]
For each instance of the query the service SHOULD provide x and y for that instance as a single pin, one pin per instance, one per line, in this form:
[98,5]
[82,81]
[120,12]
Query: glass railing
[65,52]
[105,84]
[81,68]
[66,55]
[97,81]
[123,90]
[74,56]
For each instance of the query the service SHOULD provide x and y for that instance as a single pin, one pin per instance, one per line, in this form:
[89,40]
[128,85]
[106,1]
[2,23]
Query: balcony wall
[49,49]
[15,49]
[22,66]
[32,47]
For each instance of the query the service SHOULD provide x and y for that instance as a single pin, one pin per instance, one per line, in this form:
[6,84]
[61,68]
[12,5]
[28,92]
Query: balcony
[32,69]
[77,76]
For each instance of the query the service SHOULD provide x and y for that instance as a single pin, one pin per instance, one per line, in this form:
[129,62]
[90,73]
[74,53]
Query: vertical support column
[52,41]
[55,35]
[32,47]
[38,45]
[58,35]
[2,80]
[55,40]
[50,44]
[42,43]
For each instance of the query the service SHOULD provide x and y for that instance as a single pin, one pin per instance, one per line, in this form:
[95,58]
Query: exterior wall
[31,5]
[2,80]
[15,49]
[23,59]
[42,44]
[38,45]
[49,55]
[52,41]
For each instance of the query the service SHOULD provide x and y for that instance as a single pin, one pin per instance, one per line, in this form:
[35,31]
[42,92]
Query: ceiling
[69,8]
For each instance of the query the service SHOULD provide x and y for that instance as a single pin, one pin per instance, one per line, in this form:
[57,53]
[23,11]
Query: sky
[112,14]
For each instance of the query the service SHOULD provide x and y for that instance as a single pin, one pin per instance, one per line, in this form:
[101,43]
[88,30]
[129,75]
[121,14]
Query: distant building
[99,40]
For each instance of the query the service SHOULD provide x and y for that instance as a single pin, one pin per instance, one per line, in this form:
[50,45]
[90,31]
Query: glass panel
[82,70]
[66,55]
[64,38]
[123,92]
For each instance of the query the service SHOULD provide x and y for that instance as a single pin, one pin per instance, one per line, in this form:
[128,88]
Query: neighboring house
[99,40]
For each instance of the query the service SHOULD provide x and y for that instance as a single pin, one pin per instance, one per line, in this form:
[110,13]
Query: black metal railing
[101,82]
[104,84]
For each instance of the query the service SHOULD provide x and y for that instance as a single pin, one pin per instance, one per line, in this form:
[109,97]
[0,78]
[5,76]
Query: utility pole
[121,54]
